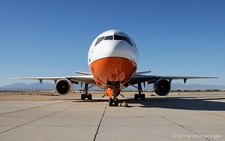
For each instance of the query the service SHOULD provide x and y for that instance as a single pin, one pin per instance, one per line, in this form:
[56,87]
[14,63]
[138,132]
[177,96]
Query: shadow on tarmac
[183,103]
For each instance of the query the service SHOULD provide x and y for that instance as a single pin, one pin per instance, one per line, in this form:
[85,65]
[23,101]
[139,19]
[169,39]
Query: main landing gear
[86,95]
[139,95]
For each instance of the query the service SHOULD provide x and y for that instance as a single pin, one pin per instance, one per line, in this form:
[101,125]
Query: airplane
[113,61]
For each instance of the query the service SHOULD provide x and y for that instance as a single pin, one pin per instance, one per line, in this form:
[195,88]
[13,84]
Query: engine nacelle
[64,86]
[162,87]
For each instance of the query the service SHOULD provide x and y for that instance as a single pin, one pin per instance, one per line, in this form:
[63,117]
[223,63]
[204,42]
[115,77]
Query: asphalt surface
[188,117]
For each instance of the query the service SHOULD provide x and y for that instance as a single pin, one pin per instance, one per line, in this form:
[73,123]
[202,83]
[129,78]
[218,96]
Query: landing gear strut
[113,101]
[139,95]
[86,95]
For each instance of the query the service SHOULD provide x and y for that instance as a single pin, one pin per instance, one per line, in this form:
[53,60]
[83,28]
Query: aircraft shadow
[93,100]
[183,103]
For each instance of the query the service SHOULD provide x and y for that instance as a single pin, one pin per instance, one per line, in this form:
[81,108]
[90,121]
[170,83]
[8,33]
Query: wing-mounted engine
[162,87]
[64,87]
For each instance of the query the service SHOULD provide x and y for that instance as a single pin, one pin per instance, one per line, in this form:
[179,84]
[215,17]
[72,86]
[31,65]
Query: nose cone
[122,49]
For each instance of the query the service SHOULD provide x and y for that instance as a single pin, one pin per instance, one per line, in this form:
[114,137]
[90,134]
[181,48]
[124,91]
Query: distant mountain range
[32,86]
[179,86]
[51,86]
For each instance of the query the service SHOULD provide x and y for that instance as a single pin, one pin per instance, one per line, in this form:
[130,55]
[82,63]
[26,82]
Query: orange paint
[113,69]
[109,92]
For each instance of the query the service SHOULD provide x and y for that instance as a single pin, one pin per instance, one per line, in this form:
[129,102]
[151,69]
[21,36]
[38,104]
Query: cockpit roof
[112,32]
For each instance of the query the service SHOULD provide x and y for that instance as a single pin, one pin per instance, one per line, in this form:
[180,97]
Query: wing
[143,72]
[84,73]
[74,79]
[152,78]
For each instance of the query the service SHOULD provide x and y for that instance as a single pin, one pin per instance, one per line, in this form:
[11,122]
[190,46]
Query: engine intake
[162,87]
[63,87]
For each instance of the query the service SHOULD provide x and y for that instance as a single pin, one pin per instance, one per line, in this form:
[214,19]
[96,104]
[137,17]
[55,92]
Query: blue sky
[52,37]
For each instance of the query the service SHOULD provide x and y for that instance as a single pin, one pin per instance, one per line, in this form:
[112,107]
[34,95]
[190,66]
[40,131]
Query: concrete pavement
[198,117]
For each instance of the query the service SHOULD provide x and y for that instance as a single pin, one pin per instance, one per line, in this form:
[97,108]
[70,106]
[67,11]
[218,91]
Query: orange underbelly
[113,69]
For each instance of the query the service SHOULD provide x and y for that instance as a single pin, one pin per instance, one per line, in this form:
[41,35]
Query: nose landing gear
[113,102]
[113,90]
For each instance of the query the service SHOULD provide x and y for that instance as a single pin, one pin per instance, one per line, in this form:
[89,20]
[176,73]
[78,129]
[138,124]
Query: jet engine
[162,87]
[64,86]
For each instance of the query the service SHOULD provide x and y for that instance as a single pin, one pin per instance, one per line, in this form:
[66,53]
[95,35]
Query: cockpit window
[99,40]
[128,40]
[109,37]
[116,37]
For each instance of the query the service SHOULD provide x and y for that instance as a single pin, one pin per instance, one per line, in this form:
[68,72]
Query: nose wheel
[113,102]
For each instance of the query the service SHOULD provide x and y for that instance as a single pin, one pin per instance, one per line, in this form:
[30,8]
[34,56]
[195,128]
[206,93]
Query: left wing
[152,78]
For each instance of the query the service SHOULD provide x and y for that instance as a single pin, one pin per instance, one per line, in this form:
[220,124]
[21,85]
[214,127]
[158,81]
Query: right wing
[74,79]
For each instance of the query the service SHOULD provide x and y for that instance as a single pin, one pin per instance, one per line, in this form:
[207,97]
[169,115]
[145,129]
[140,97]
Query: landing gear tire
[116,101]
[136,96]
[113,102]
[110,102]
[89,97]
[142,96]
[82,96]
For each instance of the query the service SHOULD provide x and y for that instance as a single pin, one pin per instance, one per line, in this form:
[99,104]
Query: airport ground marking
[218,115]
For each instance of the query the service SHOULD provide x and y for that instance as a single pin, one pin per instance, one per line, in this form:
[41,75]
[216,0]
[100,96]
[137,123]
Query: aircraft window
[109,37]
[99,40]
[116,37]
[128,40]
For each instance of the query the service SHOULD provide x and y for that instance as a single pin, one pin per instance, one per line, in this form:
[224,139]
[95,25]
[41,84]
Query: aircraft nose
[113,48]
[122,49]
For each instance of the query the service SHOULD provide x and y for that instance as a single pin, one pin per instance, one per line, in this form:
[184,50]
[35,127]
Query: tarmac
[183,117]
